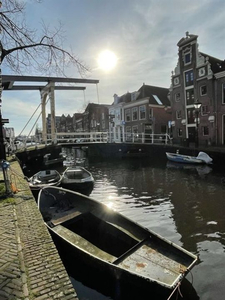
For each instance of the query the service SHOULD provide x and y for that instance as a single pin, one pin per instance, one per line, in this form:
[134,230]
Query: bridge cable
[29,119]
[36,120]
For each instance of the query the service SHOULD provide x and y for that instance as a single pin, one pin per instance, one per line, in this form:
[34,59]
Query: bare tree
[23,48]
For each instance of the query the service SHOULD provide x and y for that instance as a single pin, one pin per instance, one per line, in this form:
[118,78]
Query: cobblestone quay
[30,266]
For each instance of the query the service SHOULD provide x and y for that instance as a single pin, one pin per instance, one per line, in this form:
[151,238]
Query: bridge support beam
[49,90]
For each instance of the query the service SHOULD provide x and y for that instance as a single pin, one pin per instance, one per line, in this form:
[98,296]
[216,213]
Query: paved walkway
[30,266]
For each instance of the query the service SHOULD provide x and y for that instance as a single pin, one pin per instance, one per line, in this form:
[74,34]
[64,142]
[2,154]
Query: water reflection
[185,205]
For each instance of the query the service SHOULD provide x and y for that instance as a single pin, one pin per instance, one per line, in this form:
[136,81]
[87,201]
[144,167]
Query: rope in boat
[178,291]
[178,287]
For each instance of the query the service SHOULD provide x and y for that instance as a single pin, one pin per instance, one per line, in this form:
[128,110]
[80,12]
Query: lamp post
[197,106]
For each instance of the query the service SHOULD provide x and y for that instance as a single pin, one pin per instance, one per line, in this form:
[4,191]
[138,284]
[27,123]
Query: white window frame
[133,133]
[127,113]
[133,110]
[191,78]
[140,112]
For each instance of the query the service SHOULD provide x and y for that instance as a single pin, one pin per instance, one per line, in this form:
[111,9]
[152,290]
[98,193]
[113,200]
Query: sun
[107,60]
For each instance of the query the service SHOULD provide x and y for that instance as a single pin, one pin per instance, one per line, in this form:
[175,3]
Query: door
[191,134]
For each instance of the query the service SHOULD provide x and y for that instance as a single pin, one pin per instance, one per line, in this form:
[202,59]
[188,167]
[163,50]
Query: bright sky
[141,36]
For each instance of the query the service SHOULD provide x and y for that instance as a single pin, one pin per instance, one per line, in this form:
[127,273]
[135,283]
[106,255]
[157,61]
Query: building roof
[157,95]
[217,65]
[125,98]
[186,40]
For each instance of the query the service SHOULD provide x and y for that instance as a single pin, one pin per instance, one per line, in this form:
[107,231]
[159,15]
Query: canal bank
[30,266]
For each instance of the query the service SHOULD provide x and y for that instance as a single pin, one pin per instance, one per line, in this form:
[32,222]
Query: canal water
[185,204]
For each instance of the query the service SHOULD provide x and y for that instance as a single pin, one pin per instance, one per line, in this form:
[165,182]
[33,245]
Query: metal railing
[93,137]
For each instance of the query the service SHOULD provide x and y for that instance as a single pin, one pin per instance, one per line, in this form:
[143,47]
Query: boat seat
[82,243]
[65,218]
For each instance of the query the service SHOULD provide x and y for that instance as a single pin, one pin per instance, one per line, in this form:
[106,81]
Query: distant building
[141,115]
[96,118]
[197,78]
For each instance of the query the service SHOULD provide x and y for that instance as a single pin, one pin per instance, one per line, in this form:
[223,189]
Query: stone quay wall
[30,266]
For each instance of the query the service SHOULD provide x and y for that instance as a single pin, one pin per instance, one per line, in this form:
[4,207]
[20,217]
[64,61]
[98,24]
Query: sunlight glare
[107,60]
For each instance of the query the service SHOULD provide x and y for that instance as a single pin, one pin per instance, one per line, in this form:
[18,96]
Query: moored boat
[202,158]
[112,244]
[69,161]
[49,160]
[77,178]
[43,178]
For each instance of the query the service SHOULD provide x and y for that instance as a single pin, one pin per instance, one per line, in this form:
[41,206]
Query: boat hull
[111,243]
[109,277]
[77,179]
[43,178]
[185,159]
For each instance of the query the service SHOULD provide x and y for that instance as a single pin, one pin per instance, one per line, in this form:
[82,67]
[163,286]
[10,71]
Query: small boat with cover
[202,158]
[77,178]
[43,178]
[112,244]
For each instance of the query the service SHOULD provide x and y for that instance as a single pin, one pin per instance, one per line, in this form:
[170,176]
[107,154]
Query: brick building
[141,114]
[96,118]
[197,96]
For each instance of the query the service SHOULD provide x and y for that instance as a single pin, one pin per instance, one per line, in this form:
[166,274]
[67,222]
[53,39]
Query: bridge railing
[105,137]
[80,137]
[94,137]
[142,138]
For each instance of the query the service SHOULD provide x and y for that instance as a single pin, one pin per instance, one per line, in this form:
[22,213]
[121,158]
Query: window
[178,114]
[223,93]
[117,133]
[135,133]
[127,115]
[128,134]
[189,78]
[142,112]
[204,109]
[150,113]
[190,97]
[134,114]
[205,130]
[187,58]
[177,97]
[187,55]
[203,90]
[191,115]
[179,132]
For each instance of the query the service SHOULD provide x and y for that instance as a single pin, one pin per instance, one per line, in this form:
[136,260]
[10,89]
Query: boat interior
[109,236]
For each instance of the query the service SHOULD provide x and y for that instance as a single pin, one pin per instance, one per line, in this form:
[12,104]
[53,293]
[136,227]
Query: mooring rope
[178,291]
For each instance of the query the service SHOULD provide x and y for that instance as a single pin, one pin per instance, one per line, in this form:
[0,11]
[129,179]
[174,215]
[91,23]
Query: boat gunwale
[171,286]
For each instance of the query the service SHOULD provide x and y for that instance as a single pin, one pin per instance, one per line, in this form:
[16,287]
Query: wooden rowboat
[109,242]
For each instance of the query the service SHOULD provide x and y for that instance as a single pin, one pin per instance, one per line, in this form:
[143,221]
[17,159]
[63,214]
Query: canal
[185,204]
